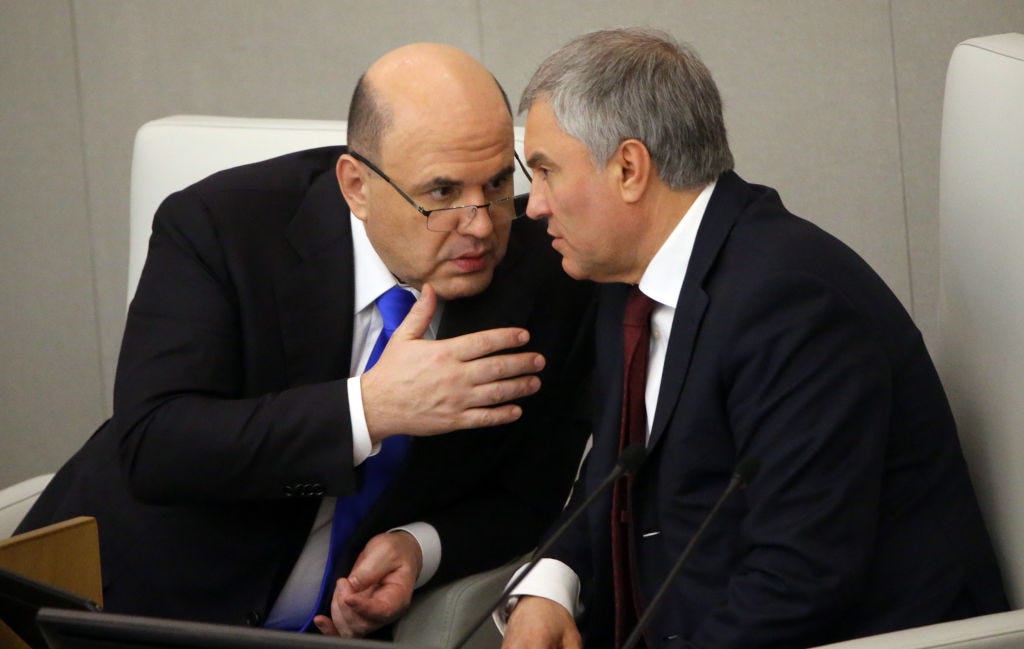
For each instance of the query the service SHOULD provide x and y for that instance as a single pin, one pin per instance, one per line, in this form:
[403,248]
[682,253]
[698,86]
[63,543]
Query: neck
[664,208]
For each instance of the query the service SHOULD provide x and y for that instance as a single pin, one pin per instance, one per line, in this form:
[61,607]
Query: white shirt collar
[663,278]
[372,277]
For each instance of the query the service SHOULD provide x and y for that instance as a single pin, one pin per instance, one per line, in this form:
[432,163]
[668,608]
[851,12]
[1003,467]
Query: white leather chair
[980,354]
[174,152]
[16,500]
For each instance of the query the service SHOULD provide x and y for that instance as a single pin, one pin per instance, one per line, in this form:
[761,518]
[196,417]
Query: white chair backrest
[16,500]
[174,152]
[981,313]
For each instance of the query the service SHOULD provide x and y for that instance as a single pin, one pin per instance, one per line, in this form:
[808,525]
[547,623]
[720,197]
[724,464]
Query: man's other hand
[539,623]
[431,387]
[379,588]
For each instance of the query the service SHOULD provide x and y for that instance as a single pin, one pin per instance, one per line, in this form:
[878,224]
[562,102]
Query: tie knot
[394,305]
[638,309]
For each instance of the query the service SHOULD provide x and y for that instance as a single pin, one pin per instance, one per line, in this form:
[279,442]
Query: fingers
[379,605]
[482,343]
[325,625]
[388,557]
[419,316]
[488,417]
[492,369]
[379,588]
[342,621]
[368,571]
[420,387]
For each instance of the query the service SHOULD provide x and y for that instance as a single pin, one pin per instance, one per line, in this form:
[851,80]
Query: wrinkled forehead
[474,142]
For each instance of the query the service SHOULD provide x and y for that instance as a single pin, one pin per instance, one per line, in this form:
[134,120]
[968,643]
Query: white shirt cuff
[362,446]
[430,546]
[550,579]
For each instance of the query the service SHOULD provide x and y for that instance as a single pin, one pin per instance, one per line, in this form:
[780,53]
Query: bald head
[436,130]
[421,88]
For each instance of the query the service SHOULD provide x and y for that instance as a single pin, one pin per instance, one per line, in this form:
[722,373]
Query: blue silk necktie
[394,305]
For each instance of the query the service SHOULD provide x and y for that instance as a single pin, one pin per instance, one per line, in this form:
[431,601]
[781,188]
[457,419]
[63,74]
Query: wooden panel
[64,555]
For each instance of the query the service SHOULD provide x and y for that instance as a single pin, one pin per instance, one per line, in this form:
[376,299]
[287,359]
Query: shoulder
[765,239]
[264,194]
[772,262]
[289,174]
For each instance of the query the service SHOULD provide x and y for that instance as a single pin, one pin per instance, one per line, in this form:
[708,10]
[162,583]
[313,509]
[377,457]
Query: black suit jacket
[231,417]
[788,348]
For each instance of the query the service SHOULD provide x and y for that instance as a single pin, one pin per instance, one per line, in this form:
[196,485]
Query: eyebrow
[537,159]
[446,181]
[503,174]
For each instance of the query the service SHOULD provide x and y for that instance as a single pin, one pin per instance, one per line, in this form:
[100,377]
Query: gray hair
[613,85]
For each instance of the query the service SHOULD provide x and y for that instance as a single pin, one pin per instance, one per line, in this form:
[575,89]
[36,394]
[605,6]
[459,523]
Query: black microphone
[629,461]
[744,472]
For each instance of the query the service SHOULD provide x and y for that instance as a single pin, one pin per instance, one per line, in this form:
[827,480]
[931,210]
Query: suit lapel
[315,289]
[721,214]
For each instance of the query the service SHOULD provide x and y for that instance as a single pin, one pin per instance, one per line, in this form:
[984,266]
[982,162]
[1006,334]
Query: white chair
[16,500]
[174,152]
[981,316]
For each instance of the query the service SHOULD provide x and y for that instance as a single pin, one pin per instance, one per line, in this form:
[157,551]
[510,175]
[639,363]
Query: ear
[633,169]
[352,181]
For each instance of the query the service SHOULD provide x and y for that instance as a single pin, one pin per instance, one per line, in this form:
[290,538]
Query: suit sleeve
[190,431]
[809,394]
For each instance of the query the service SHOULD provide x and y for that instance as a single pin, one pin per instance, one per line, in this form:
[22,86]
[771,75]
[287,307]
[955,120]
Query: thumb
[366,573]
[419,316]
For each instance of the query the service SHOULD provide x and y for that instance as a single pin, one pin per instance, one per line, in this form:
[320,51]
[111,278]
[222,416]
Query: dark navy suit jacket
[231,417]
[786,347]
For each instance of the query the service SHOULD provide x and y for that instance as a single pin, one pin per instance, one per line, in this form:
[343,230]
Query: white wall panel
[50,388]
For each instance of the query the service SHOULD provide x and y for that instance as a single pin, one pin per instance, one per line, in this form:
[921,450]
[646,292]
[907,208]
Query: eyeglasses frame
[425,212]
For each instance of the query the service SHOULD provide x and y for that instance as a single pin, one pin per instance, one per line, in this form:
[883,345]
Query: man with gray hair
[729,328]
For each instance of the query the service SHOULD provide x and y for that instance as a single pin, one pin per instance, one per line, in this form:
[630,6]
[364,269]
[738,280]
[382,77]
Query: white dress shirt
[372,279]
[662,280]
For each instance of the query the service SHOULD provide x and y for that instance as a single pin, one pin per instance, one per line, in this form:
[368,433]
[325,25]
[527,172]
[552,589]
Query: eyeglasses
[447,219]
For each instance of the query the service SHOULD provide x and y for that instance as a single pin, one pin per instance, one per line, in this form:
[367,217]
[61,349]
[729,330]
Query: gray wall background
[836,104]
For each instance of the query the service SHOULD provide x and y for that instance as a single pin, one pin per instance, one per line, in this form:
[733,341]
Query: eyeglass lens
[453,218]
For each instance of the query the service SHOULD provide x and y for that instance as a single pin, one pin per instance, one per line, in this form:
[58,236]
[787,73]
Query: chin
[574,271]
[468,285]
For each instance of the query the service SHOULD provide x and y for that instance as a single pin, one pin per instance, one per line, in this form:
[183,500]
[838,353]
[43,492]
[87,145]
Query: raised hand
[430,387]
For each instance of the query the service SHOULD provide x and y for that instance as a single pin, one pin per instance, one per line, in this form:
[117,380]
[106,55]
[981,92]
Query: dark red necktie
[636,334]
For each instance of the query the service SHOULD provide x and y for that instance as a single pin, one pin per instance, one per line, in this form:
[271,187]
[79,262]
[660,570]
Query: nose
[480,226]
[537,206]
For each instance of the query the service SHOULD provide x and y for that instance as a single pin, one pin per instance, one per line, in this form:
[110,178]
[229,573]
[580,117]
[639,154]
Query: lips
[555,239]
[471,263]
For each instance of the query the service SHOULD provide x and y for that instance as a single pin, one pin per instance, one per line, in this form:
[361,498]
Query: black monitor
[64,629]
[21,598]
